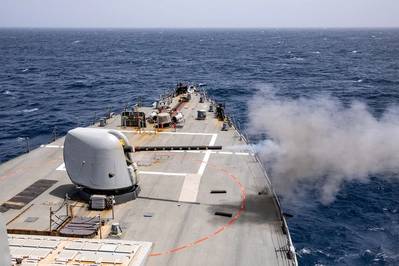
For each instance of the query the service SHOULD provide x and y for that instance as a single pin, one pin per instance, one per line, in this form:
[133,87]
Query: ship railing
[58,217]
[291,255]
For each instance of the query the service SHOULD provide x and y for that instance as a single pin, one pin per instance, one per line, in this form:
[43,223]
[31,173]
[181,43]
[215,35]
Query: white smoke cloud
[319,143]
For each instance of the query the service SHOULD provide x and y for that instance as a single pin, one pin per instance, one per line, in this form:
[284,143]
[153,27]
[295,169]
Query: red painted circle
[219,229]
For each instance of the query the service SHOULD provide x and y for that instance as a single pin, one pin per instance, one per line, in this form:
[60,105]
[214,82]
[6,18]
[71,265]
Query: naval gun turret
[98,161]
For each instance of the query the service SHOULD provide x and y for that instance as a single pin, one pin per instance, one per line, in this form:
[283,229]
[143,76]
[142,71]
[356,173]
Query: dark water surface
[66,78]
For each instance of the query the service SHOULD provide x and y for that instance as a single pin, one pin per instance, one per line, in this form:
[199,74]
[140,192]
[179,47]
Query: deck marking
[201,240]
[205,151]
[213,139]
[188,133]
[218,230]
[138,132]
[191,184]
[52,146]
[225,152]
[178,249]
[190,187]
[204,162]
[161,173]
[169,132]
[61,167]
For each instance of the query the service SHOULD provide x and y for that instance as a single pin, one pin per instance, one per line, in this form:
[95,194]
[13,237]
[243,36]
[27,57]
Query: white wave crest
[30,110]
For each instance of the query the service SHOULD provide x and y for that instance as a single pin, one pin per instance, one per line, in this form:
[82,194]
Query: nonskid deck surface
[175,209]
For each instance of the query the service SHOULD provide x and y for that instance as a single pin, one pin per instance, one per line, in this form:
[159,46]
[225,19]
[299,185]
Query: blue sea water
[67,78]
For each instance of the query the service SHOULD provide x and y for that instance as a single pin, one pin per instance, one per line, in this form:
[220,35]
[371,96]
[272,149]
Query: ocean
[54,80]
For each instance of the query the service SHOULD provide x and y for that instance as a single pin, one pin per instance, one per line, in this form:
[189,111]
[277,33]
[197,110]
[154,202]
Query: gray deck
[175,210]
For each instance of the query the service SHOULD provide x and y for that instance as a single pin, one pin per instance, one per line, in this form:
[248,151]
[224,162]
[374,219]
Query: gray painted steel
[175,209]
[94,158]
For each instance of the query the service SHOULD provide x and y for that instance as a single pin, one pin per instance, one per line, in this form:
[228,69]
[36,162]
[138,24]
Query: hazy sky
[199,13]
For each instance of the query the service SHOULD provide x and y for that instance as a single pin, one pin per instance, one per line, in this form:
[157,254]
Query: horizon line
[205,28]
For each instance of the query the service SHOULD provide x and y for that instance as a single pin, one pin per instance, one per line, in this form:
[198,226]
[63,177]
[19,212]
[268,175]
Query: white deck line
[210,151]
[241,153]
[52,146]
[61,167]
[213,139]
[204,162]
[169,132]
[189,133]
[190,188]
[161,173]
[191,184]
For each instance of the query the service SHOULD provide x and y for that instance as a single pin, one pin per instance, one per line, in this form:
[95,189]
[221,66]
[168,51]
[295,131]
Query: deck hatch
[27,195]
